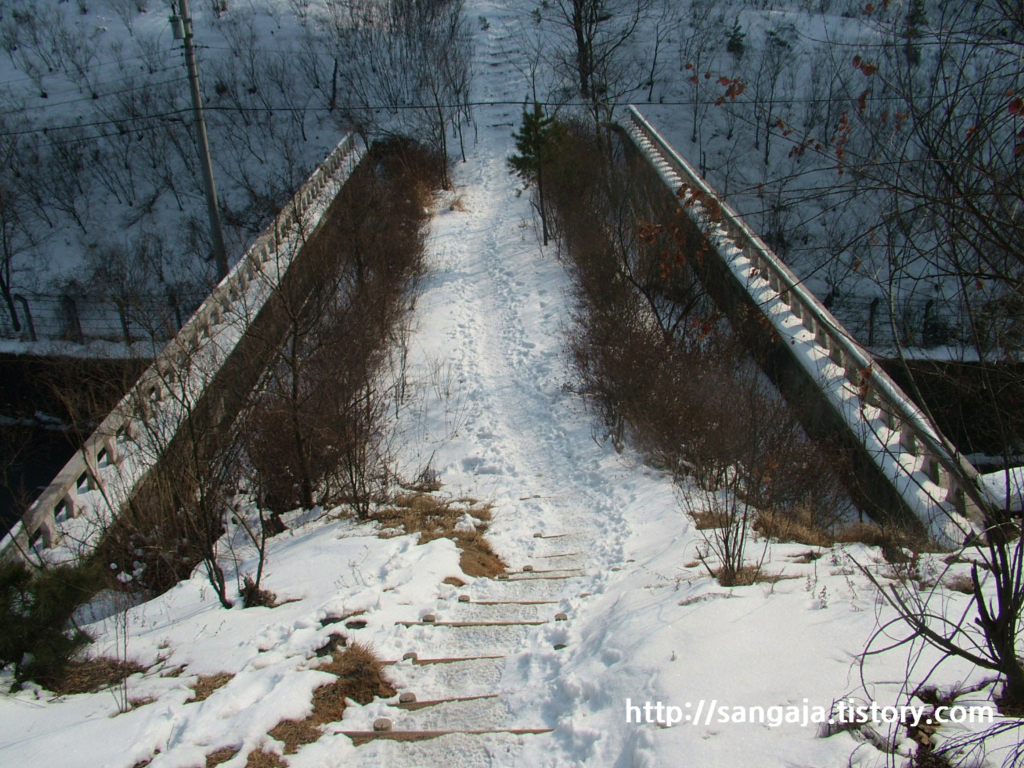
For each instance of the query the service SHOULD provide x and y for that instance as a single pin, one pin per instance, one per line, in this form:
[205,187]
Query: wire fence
[993,325]
[82,316]
[910,322]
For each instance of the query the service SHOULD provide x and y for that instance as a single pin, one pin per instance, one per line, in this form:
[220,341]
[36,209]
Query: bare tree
[596,51]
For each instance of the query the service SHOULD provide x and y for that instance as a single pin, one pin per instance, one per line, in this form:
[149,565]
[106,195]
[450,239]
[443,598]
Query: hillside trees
[411,72]
[101,121]
[596,47]
[696,51]
[940,161]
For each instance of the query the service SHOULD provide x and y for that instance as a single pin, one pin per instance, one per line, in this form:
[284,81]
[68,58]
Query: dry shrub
[317,433]
[738,577]
[253,596]
[659,361]
[94,674]
[434,517]
[360,677]
[207,684]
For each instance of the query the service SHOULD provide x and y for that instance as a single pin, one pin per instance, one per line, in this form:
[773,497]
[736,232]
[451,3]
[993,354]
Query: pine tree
[535,143]
[915,20]
[735,45]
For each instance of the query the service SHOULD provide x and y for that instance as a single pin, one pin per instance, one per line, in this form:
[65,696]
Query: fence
[79,315]
[926,471]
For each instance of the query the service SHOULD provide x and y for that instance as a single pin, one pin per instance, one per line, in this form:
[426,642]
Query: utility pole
[183,30]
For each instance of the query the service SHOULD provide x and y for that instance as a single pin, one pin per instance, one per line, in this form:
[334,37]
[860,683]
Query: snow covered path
[499,425]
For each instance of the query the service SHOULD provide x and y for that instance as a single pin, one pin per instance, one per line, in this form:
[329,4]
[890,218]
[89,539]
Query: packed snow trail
[502,427]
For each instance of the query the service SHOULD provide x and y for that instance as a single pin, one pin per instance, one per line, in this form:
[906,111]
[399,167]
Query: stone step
[495,623]
[414,705]
[361,737]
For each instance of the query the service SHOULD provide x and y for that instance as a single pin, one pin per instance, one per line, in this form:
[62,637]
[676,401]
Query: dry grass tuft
[434,517]
[94,674]
[295,733]
[861,533]
[263,759]
[207,684]
[360,677]
[253,596]
[704,521]
[222,755]
[795,525]
[750,574]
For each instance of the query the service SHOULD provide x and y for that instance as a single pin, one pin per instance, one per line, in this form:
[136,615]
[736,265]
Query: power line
[98,96]
[89,68]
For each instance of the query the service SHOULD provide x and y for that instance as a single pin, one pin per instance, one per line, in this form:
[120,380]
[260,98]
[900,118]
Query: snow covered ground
[494,415]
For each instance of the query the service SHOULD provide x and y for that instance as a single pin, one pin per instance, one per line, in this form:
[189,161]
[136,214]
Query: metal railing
[936,458]
[113,439]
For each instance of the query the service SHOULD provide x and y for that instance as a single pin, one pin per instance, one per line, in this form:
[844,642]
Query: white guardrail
[103,473]
[929,474]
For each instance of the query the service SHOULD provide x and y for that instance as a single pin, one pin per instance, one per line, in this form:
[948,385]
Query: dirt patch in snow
[464,521]
[360,677]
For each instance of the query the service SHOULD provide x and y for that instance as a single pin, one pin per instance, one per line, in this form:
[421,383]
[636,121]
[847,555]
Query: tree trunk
[5,289]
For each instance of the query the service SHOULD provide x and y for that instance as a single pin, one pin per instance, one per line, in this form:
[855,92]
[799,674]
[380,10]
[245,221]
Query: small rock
[406,697]
[410,655]
[616,568]
[429,618]
[463,598]
[502,577]
[382,724]
[527,569]
[538,535]
[559,646]
[561,617]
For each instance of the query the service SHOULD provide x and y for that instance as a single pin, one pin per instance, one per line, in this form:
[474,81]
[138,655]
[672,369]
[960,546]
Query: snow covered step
[481,750]
[534,589]
[441,678]
[492,622]
[534,572]
[457,715]
[563,558]
[501,611]
[468,640]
